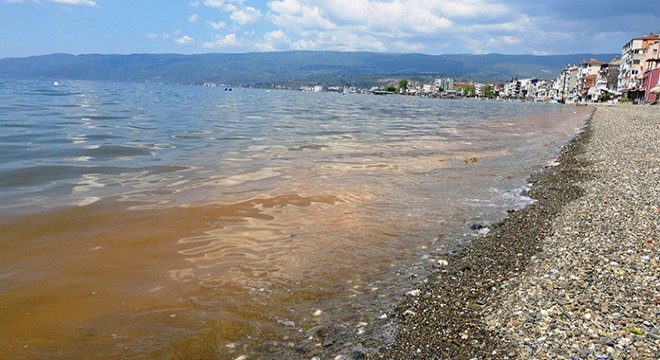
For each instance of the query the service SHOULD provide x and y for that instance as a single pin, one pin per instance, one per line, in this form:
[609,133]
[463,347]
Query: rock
[311,332]
[415,292]
[342,357]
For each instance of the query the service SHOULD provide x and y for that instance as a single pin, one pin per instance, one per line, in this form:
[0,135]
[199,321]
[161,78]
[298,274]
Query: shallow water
[145,220]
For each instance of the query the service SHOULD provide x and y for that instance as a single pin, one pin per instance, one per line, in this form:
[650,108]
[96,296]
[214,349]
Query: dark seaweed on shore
[446,320]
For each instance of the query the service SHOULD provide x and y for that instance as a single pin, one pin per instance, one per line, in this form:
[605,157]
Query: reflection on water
[162,221]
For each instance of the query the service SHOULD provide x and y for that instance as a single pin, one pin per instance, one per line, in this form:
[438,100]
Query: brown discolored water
[153,221]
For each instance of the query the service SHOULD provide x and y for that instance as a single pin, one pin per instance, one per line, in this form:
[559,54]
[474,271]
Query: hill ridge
[308,67]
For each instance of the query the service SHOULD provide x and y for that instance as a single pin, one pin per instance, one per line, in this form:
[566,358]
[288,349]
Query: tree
[469,90]
[605,96]
[403,86]
[490,92]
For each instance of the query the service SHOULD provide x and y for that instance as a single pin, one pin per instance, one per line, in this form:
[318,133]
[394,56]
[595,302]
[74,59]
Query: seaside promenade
[574,276]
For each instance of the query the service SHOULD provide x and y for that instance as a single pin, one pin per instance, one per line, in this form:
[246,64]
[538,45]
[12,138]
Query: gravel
[573,276]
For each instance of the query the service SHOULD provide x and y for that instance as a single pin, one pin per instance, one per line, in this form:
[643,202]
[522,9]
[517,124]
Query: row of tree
[466,90]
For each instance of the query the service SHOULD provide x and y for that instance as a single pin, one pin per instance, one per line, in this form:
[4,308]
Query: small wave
[308,147]
[45,174]
[104,117]
[231,138]
[36,175]
[260,174]
[113,151]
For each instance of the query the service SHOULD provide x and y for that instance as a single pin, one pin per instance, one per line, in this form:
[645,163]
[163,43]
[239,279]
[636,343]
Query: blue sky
[38,27]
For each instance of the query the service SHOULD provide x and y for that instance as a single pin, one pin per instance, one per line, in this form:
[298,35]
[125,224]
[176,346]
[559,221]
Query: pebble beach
[573,276]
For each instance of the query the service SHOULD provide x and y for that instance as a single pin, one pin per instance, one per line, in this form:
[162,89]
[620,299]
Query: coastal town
[631,77]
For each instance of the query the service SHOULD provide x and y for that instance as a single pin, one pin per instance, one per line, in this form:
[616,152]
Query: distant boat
[227,89]
[56,83]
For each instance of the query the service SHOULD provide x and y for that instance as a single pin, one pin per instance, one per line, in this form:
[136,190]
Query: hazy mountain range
[292,67]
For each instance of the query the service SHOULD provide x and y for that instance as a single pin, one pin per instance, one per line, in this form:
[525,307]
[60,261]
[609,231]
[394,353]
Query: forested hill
[310,67]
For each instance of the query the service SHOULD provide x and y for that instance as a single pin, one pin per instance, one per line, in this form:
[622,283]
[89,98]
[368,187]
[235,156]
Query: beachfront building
[613,76]
[565,86]
[631,70]
[543,91]
[651,71]
[512,89]
[428,89]
[498,89]
[479,89]
[592,79]
[444,84]
[316,88]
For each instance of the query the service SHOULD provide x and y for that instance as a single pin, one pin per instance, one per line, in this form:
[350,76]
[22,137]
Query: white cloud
[221,41]
[396,25]
[214,3]
[500,41]
[230,8]
[276,35]
[193,18]
[471,8]
[291,14]
[194,4]
[76,2]
[185,39]
[246,16]
[216,25]
[274,40]
[91,3]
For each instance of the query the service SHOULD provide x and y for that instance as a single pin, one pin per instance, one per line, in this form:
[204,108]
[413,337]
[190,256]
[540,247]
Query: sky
[538,27]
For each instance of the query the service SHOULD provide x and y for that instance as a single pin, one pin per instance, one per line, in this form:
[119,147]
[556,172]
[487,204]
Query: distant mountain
[303,67]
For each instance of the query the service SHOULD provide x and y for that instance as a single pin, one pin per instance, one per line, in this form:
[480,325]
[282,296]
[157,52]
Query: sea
[156,221]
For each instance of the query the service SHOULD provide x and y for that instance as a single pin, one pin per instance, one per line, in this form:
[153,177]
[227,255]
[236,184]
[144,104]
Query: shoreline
[528,289]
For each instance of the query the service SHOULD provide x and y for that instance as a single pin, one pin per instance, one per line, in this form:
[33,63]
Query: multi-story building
[512,88]
[613,76]
[650,71]
[446,84]
[479,89]
[565,86]
[592,79]
[631,68]
[528,88]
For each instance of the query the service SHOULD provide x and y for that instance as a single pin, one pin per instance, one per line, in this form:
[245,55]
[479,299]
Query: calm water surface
[151,221]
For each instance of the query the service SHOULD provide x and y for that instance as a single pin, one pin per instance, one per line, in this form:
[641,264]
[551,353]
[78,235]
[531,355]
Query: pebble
[573,276]
[415,292]
[596,264]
